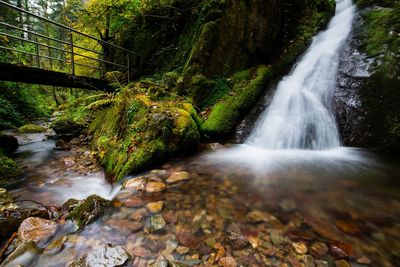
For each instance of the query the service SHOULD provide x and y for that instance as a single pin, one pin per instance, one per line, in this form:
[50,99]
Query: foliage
[31,128]
[9,171]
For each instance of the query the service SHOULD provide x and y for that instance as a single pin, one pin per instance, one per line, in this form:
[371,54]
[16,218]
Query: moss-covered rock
[227,112]
[31,128]
[66,126]
[88,211]
[8,144]
[10,173]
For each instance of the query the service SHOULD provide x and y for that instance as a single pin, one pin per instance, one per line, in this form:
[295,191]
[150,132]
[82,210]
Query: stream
[291,195]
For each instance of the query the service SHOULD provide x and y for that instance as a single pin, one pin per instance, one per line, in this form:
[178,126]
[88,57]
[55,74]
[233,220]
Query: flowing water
[290,185]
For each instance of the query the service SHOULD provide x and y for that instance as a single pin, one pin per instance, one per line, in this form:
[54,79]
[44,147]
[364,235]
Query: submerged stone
[23,255]
[178,177]
[155,187]
[157,223]
[155,207]
[105,255]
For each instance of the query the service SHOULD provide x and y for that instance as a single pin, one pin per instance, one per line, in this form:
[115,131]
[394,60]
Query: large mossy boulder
[10,173]
[88,211]
[67,127]
[8,144]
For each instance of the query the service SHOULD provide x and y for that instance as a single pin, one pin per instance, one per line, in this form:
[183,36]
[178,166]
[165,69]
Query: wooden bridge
[76,60]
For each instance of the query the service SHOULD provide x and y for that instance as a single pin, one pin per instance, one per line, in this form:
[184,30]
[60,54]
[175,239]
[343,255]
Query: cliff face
[368,94]
[206,62]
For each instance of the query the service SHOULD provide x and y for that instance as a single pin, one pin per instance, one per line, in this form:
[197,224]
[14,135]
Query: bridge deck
[15,73]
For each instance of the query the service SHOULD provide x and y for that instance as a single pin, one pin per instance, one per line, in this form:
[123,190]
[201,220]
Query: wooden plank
[24,74]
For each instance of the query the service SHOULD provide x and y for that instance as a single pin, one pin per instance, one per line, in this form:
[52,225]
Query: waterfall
[300,115]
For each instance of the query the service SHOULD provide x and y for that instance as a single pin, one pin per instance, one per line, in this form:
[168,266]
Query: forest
[199,133]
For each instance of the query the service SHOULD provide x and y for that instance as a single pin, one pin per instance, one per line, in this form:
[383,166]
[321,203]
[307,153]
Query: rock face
[88,211]
[105,255]
[36,229]
[8,143]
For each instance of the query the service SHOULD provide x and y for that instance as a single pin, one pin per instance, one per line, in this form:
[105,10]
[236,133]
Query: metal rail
[67,47]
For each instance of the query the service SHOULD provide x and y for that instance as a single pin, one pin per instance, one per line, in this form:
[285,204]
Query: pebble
[178,177]
[155,207]
[154,187]
[182,250]
[364,260]
[135,184]
[124,225]
[160,173]
[138,215]
[157,223]
[318,249]
[300,248]
[134,202]
[227,262]
[342,263]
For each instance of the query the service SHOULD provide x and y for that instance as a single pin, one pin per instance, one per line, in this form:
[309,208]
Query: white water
[300,115]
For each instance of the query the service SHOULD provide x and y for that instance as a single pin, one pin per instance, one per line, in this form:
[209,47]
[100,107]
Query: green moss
[32,128]
[9,171]
[226,113]
[88,211]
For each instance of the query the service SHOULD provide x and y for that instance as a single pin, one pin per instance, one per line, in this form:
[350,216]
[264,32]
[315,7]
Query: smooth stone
[178,177]
[189,240]
[227,262]
[160,173]
[135,184]
[124,225]
[140,252]
[138,215]
[155,207]
[157,223]
[308,261]
[364,261]
[36,229]
[154,187]
[300,248]
[319,249]
[257,216]
[56,246]
[342,263]
[123,194]
[320,263]
[182,250]
[105,255]
[134,202]
[235,238]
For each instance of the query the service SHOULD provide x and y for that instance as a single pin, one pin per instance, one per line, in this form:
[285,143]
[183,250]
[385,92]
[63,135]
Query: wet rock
[160,173]
[257,216]
[299,248]
[320,263]
[318,249]
[124,225]
[23,255]
[235,238]
[134,202]
[69,161]
[141,252]
[70,204]
[308,261]
[170,217]
[342,263]
[189,240]
[138,215]
[348,227]
[36,229]
[88,211]
[157,223]
[11,219]
[123,194]
[364,261]
[105,255]
[153,244]
[321,228]
[8,143]
[67,127]
[135,184]
[155,207]
[178,177]
[56,246]
[340,250]
[6,201]
[182,250]
[227,262]
[277,238]
[154,187]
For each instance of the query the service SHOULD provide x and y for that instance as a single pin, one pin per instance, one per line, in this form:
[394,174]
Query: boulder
[8,143]
[36,229]
[67,127]
[105,255]
[88,211]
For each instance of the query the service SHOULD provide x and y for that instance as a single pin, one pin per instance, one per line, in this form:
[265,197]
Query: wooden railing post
[37,53]
[71,45]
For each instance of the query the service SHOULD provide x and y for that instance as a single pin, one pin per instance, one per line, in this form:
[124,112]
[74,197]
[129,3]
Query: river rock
[155,207]
[342,263]
[341,250]
[157,223]
[135,184]
[364,261]
[299,248]
[178,177]
[154,187]
[8,143]
[23,255]
[257,216]
[124,225]
[11,219]
[189,240]
[235,238]
[138,215]
[160,173]
[88,211]
[134,202]
[36,229]
[70,204]
[318,249]
[67,127]
[105,255]
[227,262]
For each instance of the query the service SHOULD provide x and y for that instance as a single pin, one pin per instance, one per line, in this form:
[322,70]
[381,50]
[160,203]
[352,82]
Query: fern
[102,103]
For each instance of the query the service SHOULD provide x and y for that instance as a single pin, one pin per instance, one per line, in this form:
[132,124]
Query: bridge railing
[69,46]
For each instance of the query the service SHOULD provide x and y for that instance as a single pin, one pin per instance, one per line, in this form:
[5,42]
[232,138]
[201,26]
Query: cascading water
[300,115]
